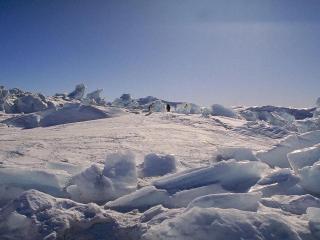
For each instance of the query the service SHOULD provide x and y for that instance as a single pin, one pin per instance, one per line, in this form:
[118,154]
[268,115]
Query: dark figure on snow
[168,108]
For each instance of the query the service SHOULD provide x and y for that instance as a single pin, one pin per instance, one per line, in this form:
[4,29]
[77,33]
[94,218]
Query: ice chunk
[13,181]
[183,198]
[158,165]
[30,103]
[78,93]
[279,182]
[277,176]
[313,215]
[91,186]
[219,110]
[221,224]
[232,175]
[304,157]
[26,121]
[310,178]
[293,204]
[187,108]
[241,201]
[277,155]
[95,97]
[141,199]
[121,169]
[125,101]
[237,153]
[118,178]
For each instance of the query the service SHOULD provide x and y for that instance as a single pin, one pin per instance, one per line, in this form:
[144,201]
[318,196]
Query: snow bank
[237,153]
[75,113]
[277,155]
[220,224]
[292,204]
[118,178]
[241,201]
[141,199]
[304,157]
[158,165]
[219,110]
[232,175]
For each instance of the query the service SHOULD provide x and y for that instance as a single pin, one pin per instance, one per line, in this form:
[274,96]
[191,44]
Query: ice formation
[117,178]
[219,110]
[158,165]
[226,153]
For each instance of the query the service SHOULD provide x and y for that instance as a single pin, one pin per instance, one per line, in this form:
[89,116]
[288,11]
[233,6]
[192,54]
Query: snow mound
[237,153]
[292,204]
[96,185]
[76,113]
[241,201]
[159,165]
[37,216]
[304,157]
[277,155]
[232,175]
[220,224]
[219,110]
[141,199]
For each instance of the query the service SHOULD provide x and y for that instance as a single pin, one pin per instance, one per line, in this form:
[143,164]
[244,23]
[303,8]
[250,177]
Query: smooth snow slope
[191,139]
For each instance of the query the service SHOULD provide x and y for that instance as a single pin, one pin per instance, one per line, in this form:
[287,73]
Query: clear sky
[248,52]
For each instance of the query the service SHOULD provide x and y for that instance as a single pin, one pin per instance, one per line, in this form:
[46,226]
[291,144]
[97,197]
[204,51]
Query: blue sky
[240,52]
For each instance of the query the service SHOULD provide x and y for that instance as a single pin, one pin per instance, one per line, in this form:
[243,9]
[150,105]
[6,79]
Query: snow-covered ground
[116,171]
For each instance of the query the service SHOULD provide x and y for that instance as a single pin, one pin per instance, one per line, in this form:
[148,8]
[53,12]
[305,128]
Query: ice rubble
[158,165]
[78,92]
[117,178]
[296,204]
[37,216]
[304,157]
[69,113]
[277,155]
[199,224]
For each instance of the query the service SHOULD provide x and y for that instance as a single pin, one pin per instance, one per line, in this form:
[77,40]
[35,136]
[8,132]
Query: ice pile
[220,110]
[37,216]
